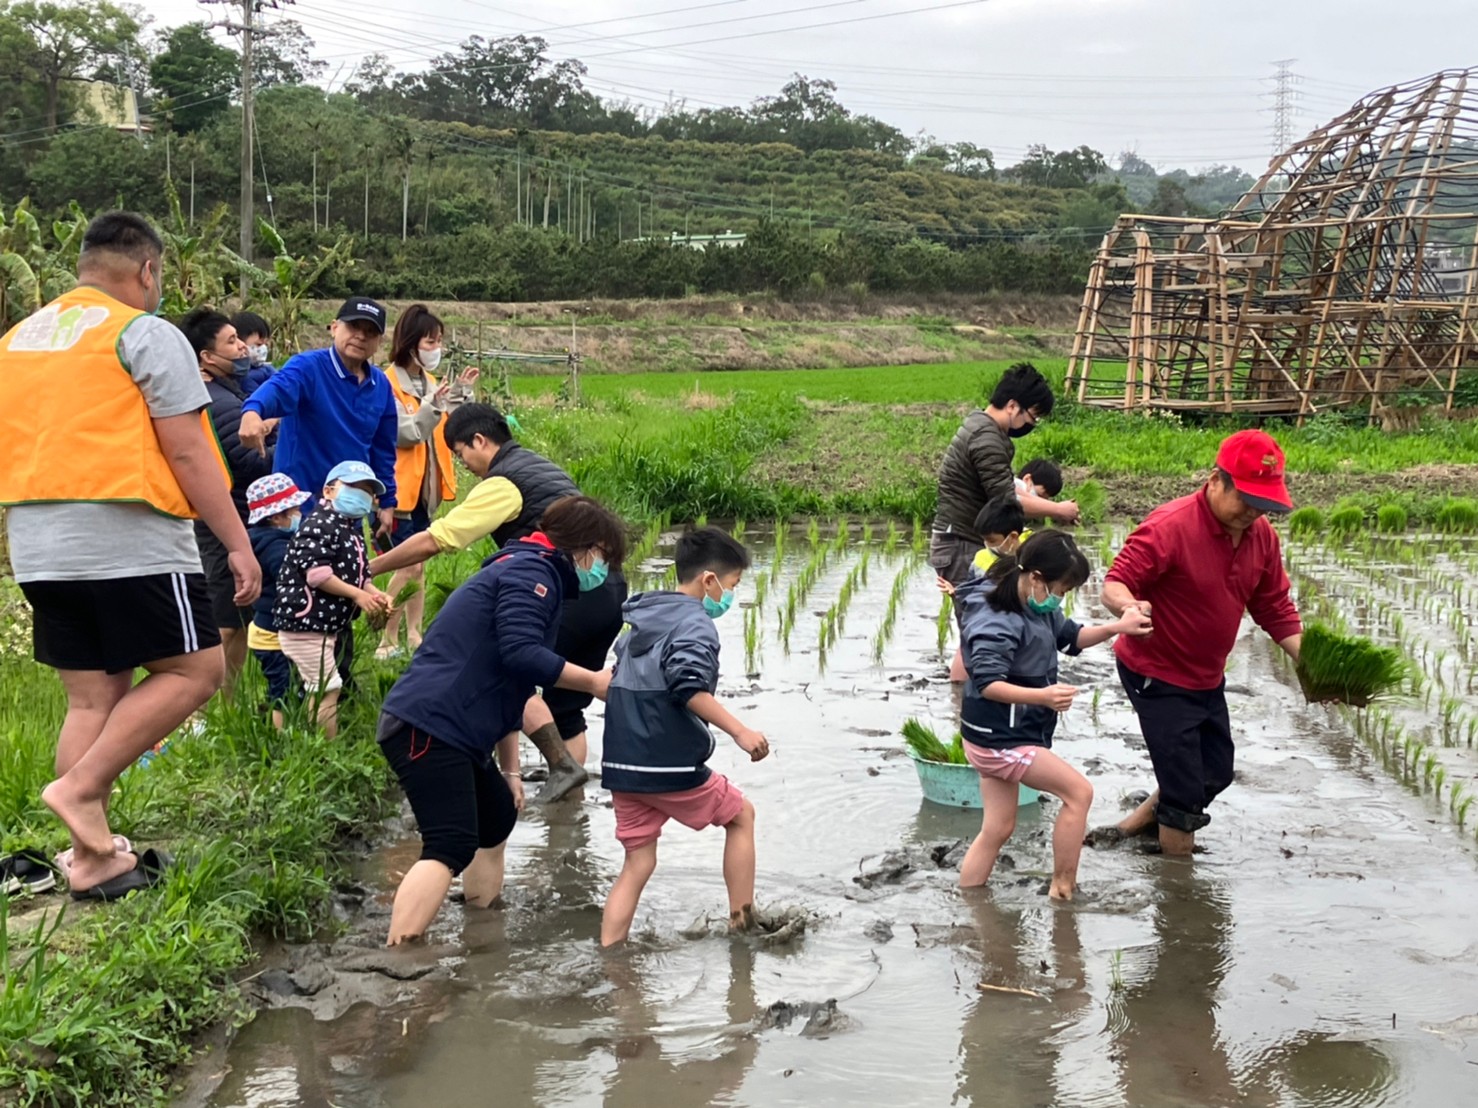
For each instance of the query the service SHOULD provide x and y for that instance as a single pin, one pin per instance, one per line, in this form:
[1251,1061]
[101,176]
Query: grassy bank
[101,1003]
[868,440]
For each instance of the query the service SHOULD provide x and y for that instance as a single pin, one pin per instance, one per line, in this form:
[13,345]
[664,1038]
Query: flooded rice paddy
[1322,951]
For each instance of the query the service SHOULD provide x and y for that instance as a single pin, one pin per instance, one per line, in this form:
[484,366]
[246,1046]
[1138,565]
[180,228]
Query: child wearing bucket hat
[274,503]
[324,577]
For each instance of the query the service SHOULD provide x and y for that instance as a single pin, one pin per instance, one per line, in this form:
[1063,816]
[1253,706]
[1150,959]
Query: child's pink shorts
[1009,764]
[640,816]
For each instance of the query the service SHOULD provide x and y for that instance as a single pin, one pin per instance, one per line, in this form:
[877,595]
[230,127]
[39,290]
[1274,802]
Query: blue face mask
[352,502]
[594,577]
[294,523]
[716,608]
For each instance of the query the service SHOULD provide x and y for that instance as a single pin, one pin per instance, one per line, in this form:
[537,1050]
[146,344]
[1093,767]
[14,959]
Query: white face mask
[259,354]
[429,359]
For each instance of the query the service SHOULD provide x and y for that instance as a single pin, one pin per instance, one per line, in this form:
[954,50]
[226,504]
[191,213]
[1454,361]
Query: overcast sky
[1182,82]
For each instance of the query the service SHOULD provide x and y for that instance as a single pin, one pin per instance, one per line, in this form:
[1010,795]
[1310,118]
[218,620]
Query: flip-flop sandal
[63,860]
[26,871]
[149,870]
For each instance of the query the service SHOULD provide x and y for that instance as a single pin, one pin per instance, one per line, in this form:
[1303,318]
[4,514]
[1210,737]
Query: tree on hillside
[194,77]
[70,42]
[284,56]
[1066,169]
[502,82]
[808,114]
[22,102]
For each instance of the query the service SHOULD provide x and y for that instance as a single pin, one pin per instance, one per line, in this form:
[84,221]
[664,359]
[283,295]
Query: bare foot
[1061,892]
[86,819]
[64,859]
[90,870]
[742,919]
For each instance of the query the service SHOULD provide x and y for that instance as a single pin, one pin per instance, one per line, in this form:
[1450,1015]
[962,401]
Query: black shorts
[1189,736]
[461,802]
[219,581]
[121,623]
[587,628]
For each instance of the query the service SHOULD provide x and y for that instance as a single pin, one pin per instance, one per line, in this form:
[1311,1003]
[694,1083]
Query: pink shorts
[1009,764]
[313,655]
[640,816]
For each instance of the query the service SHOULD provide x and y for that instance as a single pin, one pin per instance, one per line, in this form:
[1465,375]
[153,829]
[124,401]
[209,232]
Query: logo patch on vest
[53,329]
[541,591]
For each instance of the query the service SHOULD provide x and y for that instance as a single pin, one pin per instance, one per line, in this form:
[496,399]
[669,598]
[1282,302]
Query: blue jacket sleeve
[522,619]
[281,393]
[1067,634]
[991,642]
[690,664]
[382,450]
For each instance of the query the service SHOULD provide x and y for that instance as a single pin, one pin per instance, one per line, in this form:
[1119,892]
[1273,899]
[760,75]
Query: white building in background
[113,106]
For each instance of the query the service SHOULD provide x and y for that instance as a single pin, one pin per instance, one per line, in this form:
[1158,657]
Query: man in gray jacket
[977,466]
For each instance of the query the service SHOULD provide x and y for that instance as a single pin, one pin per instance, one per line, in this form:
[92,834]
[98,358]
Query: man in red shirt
[1197,564]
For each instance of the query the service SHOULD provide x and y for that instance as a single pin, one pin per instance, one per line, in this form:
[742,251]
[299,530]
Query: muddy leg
[565,774]
[739,868]
[620,909]
[482,880]
[998,821]
[1178,843]
[1142,819]
[328,713]
[1050,774]
[417,901]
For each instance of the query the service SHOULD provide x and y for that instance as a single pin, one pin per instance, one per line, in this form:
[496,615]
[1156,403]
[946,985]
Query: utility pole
[1285,103]
[248,30]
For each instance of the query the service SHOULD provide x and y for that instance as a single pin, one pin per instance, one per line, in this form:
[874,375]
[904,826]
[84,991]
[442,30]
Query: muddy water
[1321,952]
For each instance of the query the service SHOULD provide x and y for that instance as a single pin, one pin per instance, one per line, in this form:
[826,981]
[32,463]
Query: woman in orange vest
[423,463]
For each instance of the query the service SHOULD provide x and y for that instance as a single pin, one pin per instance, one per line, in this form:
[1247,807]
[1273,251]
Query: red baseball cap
[1254,461]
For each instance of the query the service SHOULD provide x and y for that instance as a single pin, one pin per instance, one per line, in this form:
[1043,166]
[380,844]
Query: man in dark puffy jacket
[224,361]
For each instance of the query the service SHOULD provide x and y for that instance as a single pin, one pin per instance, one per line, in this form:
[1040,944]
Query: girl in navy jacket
[1013,629]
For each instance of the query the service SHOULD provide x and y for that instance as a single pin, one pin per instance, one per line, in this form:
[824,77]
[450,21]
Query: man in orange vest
[102,479]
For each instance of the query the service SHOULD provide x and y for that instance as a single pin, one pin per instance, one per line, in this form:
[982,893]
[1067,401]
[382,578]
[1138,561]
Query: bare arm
[1132,622]
[197,469]
[1292,644]
[412,552]
[1117,598]
[1039,507]
[706,707]
[594,682]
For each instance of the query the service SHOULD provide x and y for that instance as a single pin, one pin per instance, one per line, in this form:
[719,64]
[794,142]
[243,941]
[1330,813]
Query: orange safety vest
[410,461]
[73,425]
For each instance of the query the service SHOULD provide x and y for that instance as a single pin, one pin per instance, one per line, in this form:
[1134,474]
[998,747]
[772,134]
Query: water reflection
[646,1069]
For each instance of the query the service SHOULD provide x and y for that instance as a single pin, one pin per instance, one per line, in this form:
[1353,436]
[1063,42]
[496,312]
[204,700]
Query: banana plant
[198,265]
[31,272]
[282,293]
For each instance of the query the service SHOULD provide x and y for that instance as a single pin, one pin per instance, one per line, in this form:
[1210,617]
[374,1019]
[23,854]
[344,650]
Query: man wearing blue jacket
[335,406]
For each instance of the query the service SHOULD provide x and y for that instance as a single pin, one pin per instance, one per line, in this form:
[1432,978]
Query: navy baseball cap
[363,308]
[354,473]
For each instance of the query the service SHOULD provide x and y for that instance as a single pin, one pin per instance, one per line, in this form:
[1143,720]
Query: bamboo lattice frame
[1344,277]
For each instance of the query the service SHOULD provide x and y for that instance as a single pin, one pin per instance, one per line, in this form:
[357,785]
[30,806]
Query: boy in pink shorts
[657,741]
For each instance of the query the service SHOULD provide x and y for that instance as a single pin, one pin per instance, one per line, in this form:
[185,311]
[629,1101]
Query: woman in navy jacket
[465,690]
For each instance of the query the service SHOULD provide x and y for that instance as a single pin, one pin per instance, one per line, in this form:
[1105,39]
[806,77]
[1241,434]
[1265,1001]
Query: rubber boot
[565,775]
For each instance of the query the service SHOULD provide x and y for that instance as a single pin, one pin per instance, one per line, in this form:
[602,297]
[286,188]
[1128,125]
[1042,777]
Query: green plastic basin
[957,786]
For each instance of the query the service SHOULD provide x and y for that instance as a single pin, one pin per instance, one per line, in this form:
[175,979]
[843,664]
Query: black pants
[1189,736]
[587,628]
[461,802]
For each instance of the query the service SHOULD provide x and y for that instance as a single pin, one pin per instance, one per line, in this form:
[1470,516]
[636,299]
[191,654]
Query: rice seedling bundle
[926,746]
[1345,669]
[1458,516]
[1092,502]
[1306,521]
[1346,520]
[1391,519]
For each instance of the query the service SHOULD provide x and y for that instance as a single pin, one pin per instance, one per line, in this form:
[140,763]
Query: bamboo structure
[1343,278]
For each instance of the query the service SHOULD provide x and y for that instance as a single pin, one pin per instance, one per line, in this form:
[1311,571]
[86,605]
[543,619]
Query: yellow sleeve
[984,560]
[482,511]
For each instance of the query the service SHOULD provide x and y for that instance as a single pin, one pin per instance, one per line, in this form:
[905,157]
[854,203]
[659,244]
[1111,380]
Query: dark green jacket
[976,470]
